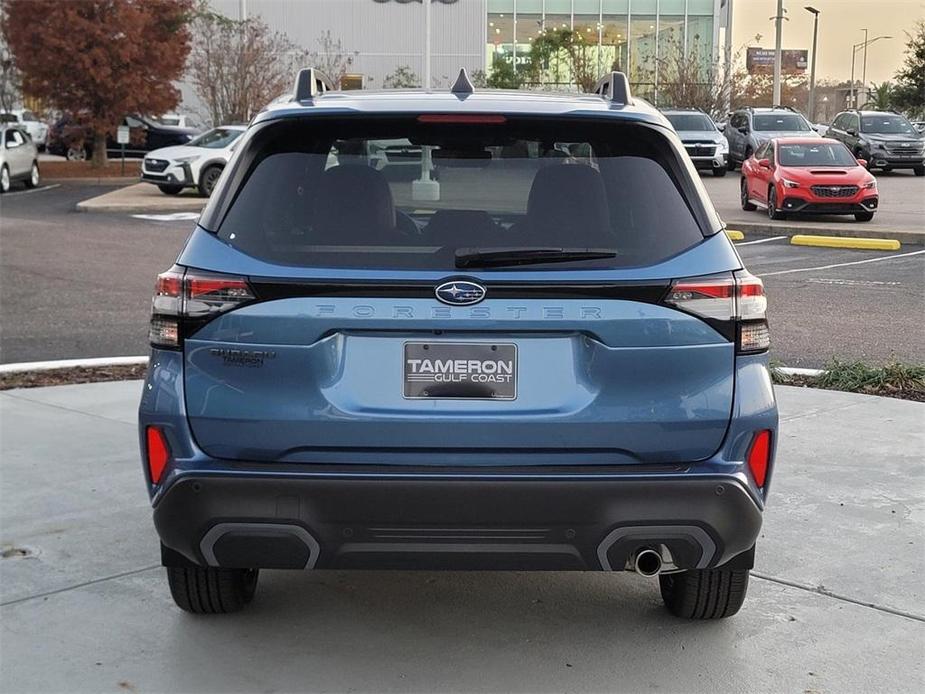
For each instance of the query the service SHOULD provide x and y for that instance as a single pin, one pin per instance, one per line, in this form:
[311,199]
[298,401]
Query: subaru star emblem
[460,293]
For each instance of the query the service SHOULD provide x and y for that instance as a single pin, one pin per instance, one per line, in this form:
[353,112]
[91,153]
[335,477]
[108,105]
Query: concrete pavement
[143,197]
[836,603]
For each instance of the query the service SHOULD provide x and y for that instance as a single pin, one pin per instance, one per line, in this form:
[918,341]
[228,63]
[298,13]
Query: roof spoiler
[311,82]
[615,87]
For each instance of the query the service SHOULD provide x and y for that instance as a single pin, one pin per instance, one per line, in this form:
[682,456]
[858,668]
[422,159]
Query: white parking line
[32,190]
[853,262]
[752,243]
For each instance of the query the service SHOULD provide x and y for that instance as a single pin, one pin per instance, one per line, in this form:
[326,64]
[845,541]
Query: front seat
[567,207]
[353,205]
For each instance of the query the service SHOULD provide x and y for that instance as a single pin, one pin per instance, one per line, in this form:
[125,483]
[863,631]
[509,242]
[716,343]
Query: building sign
[762,60]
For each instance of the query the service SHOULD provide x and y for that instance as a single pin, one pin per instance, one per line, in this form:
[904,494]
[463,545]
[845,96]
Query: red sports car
[798,175]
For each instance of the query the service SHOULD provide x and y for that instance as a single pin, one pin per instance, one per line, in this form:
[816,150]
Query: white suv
[28,121]
[197,164]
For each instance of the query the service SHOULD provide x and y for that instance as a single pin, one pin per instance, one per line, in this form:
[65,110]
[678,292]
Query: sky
[840,26]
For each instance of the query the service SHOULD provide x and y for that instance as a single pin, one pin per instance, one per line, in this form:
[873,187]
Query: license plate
[460,370]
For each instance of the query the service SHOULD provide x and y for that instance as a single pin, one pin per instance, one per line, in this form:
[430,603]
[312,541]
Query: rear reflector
[158,453]
[758,456]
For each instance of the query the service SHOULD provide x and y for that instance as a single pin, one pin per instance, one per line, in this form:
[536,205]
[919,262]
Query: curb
[25,366]
[93,180]
[128,361]
[869,244]
[914,238]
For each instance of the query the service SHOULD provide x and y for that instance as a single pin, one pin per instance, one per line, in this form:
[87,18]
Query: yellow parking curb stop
[846,242]
[734,235]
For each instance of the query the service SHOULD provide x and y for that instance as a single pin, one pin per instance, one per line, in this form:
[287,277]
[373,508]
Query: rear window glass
[400,193]
[780,122]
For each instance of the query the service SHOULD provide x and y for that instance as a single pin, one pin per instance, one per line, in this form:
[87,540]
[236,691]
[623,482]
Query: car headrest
[353,198]
[563,199]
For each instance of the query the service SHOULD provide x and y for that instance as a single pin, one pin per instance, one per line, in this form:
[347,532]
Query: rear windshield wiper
[488,257]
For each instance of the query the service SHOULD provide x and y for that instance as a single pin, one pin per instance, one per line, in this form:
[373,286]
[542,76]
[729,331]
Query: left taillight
[735,305]
[185,299]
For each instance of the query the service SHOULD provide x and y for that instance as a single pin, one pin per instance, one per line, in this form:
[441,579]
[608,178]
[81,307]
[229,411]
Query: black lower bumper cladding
[436,522]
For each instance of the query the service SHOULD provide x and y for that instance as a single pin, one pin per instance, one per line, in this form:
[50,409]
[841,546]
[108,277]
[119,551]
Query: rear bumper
[446,520]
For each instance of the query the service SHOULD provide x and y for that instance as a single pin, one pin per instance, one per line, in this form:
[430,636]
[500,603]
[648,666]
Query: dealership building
[383,35]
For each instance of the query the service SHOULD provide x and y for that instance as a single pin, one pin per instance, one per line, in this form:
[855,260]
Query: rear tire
[719,171]
[704,593]
[743,196]
[169,190]
[863,216]
[34,176]
[918,170]
[207,590]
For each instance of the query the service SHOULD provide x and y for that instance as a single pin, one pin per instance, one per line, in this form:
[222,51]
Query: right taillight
[735,305]
[186,299]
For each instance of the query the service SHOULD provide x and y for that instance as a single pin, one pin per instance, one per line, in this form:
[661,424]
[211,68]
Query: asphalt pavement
[835,602]
[78,284]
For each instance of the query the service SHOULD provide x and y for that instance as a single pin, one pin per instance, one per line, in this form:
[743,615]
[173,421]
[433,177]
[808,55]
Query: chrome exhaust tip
[647,562]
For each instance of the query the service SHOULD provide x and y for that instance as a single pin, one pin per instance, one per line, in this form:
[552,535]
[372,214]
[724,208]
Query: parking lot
[834,603]
[79,284]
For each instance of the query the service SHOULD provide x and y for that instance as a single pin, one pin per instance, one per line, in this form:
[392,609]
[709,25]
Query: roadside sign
[762,60]
[122,135]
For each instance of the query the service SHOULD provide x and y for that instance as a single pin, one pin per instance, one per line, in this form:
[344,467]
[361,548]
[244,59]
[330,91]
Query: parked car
[885,140]
[18,158]
[197,164]
[553,365]
[705,144]
[69,138]
[28,121]
[749,128]
[793,175]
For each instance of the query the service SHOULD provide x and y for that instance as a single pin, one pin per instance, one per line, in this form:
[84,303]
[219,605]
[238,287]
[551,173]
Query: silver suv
[703,141]
[18,158]
[749,128]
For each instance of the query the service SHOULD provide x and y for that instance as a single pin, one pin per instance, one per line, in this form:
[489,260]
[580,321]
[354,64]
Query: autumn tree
[98,60]
[909,92]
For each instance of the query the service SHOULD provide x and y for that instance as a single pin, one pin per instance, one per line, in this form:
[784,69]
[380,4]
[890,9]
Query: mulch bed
[885,391]
[83,169]
[58,377]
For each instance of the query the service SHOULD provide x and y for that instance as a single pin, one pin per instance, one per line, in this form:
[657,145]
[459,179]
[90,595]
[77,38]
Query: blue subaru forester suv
[459,330]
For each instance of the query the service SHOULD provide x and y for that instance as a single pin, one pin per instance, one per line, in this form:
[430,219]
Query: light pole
[854,51]
[778,18]
[812,69]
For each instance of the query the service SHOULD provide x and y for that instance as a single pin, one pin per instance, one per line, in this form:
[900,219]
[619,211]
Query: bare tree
[331,58]
[237,67]
[10,80]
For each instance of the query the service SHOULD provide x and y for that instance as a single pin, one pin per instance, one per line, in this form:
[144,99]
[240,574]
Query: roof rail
[616,87]
[462,85]
[309,83]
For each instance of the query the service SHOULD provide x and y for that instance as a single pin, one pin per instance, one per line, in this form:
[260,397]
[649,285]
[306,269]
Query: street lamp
[854,51]
[812,70]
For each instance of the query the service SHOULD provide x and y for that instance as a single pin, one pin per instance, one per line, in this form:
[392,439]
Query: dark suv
[68,138]
[548,357]
[884,139]
[747,129]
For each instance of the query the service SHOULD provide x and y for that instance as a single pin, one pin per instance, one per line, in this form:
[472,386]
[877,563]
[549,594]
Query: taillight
[186,299]
[759,456]
[734,305]
[158,453]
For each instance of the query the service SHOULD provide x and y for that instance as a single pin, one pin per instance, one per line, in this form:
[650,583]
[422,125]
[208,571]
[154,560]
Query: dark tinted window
[822,154]
[361,193]
[782,122]
[690,121]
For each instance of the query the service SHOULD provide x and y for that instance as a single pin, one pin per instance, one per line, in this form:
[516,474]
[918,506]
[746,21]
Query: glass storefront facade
[637,37]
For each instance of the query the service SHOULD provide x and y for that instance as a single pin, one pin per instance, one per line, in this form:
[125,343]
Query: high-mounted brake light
[188,298]
[735,305]
[158,452]
[759,456]
[476,118]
